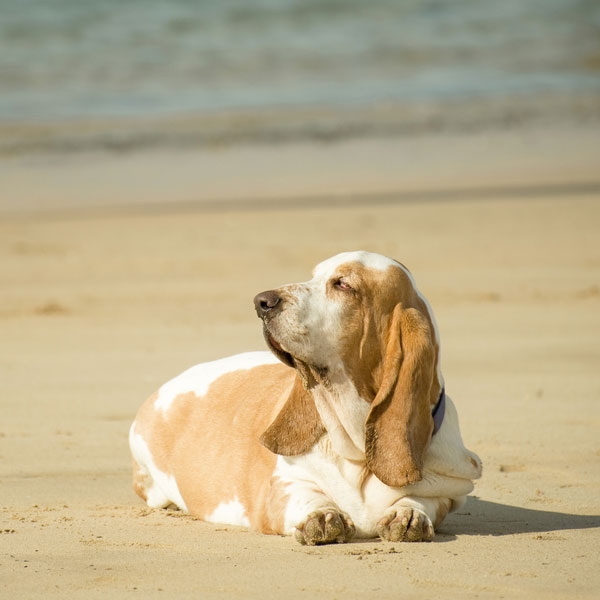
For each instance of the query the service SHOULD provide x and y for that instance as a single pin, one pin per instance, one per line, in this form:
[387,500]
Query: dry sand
[98,309]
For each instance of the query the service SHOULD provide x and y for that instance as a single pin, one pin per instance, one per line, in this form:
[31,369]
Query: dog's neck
[343,413]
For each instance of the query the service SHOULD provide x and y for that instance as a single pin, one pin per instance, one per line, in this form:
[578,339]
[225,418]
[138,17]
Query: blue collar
[438,412]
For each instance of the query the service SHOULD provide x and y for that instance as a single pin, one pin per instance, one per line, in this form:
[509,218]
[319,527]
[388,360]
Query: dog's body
[334,443]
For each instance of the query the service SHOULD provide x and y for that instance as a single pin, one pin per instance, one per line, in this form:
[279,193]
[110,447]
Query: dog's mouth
[275,347]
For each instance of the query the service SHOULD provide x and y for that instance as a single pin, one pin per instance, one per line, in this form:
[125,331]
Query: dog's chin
[285,357]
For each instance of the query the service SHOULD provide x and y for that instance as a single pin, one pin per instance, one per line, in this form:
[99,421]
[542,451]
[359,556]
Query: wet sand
[103,303]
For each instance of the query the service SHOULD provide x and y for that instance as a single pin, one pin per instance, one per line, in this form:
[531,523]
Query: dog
[343,429]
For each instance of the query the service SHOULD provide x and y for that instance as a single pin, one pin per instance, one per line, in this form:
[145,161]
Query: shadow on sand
[481,517]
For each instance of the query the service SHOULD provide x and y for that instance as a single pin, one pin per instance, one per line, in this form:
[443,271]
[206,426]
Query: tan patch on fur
[211,444]
[442,510]
[367,321]
[399,425]
[297,427]
[274,515]
[140,481]
[390,353]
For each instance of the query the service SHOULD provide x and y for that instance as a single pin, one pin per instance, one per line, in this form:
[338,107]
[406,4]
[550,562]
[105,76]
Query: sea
[122,74]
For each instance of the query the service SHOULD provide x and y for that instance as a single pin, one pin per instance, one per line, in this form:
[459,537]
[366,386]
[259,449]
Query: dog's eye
[342,285]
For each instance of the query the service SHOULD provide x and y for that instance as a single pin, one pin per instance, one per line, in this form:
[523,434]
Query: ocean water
[63,60]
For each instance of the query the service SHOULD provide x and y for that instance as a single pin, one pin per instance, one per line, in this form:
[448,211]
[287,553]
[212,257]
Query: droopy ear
[297,427]
[399,425]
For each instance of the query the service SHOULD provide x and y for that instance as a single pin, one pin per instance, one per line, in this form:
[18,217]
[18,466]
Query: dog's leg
[413,519]
[302,509]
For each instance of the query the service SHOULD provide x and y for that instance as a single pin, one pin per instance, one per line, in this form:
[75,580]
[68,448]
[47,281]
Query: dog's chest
[346,482]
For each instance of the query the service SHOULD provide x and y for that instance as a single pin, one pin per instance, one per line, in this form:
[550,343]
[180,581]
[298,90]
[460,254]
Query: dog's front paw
[405,524]
[325,527]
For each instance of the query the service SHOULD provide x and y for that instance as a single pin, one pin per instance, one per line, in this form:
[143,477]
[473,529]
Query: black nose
[265,302]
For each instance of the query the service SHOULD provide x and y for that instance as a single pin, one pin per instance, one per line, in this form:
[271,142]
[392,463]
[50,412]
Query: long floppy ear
[297,427]
[400,424]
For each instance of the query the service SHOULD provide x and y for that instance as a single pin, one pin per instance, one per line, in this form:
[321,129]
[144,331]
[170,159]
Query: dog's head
[360,316]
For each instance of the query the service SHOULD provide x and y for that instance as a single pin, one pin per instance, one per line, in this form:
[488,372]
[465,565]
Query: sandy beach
[115,279]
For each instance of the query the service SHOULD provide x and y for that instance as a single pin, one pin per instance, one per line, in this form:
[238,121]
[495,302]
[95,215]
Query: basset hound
[343,429]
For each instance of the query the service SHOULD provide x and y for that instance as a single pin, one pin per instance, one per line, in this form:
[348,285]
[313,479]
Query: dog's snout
[266,301]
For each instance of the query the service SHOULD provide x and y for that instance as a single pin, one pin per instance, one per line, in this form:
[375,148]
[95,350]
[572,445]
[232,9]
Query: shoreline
[535,160]
[532,192]
[298,124]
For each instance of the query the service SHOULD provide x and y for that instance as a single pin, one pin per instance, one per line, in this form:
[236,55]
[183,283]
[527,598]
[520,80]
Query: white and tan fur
[334,443]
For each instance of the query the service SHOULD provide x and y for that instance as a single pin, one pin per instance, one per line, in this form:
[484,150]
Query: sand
[102,304]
